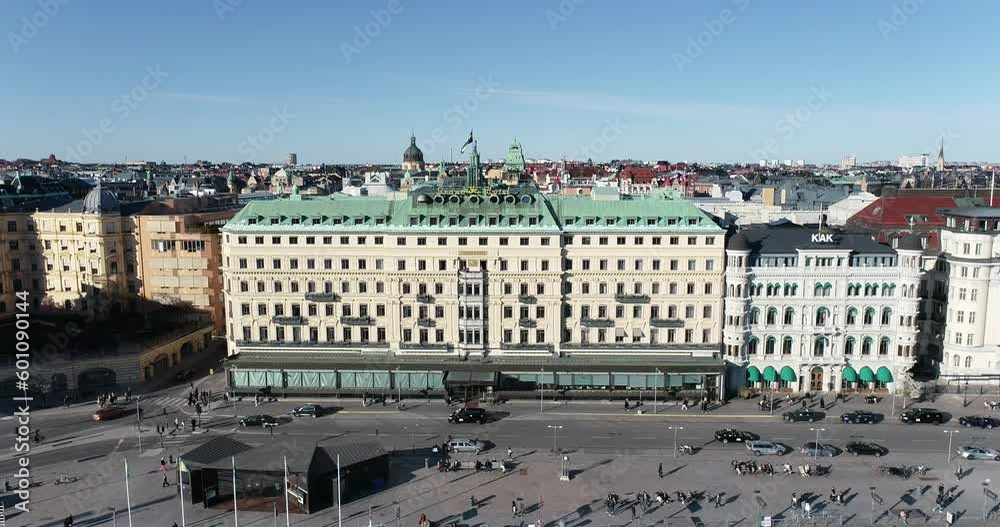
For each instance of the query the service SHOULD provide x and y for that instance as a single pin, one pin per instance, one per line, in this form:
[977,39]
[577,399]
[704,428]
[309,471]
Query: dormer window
[671,221]
[413,220]
[650,222]
[610,221]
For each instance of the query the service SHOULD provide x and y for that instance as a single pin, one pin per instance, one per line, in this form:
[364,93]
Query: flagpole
[993,178]
[236,516]
[286,490]
[180,488]
[128,497]
[339,522]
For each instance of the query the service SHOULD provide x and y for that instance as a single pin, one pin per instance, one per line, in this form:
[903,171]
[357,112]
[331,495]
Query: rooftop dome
[910,242]
[100,200]
[738,243]
[413,154]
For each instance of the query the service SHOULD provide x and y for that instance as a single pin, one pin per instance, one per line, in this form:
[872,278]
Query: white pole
[180,487]
[286,491]
[236,516]
[993,177]
[128,496]
[339,519]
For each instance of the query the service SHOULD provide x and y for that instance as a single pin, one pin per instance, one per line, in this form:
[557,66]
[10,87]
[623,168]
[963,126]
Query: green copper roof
[479,210]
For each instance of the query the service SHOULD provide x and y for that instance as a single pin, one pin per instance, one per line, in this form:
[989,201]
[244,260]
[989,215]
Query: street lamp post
[555,431]
[675,429]
[541,393]
[872,517]
[951,434]
[655,384]
[772,398]
[816,451]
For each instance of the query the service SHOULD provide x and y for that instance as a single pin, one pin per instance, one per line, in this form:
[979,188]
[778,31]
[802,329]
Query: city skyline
[713,82]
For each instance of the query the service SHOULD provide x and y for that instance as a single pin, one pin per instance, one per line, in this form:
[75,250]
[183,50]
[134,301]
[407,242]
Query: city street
[606,449]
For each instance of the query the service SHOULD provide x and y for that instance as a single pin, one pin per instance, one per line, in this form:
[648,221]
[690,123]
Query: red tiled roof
[638,175]
[893,212]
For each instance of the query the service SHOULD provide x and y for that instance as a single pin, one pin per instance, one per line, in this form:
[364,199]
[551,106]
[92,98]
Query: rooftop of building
[973,212]
[789,238]
[476,209]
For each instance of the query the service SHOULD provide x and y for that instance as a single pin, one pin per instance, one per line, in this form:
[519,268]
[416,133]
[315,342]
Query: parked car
[979,452]
[813,448]
[108,413]
[764,447]
[921,415]
[802,414]
[859,448]
[727,435]
[258,420]
[465,445]
[308,410]
[861,417]
[978,421]
[469,415]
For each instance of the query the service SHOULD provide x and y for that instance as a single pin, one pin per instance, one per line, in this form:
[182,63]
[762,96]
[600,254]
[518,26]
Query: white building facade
[810,312]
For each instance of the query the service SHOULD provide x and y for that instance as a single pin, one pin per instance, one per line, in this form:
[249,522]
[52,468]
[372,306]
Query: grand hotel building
[474,289]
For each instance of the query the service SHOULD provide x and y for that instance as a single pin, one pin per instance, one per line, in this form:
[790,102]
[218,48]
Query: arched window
[769,346]
[788,290]
[786,346]
[958,361]
[869,316]
[892,290]
[789,316]
[772,315]
[866,346]
[752,346]
[886,316]
[874,289]
[819,347]
[968,361]
[754,317]
[852,315]
[818,290]
[849,345]
[827,289]
[883,346]
[759,290]
[885,290]
[822,316]
[795,289]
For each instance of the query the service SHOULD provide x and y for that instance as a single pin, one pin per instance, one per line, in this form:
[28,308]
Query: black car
[468,415]
[859,448]
[861,417]
[802,414]
[921,415]
[258,420]
[978,421]
[727,435]
[308,410]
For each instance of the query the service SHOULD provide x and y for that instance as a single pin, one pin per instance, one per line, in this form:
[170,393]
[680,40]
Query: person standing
[822,403]
[795,500]
[510,453]
[659,470]
[165,482]
[513,508]
[718,500]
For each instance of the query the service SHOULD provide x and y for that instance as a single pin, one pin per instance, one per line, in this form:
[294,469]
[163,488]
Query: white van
[465,445]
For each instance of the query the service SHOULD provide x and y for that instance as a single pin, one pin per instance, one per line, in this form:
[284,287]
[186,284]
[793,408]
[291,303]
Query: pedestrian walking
[718,500]
[904,516]
[633,512]
[795,500]
[940,490]
[472,501]
[806,510]
[513,508]
[958,472]
[938,504]
[659,470]
[822,403]
[803,402]
[163,465]
[68,522]
[510,453]
[165,482]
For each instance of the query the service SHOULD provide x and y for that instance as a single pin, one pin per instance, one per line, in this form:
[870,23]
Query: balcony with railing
[667,323]
[631,299]
[322,297]
[289,321]
[358,321]
[597,322]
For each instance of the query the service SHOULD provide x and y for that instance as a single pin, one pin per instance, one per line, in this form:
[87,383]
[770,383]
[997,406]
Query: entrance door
[816,379]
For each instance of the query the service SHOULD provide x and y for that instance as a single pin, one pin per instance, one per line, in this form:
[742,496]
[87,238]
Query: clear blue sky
[556,82]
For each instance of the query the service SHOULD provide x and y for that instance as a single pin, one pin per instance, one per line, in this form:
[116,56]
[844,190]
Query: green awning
[753,374]
[867,374]
[850,375]
[769,374]
[788,374]
[883,374]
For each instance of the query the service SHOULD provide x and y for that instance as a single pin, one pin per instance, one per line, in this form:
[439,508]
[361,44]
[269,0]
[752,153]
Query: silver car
[764,447]
[465,445]
[817,449]
[979,452]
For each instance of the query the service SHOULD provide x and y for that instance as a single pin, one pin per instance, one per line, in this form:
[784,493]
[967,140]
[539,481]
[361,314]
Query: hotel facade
[473,289]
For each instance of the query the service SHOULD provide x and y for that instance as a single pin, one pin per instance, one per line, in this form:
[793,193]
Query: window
[968,361]
[769,346]
[789,316]
[772,316]
[786,346]
[822,316]
[852,316]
